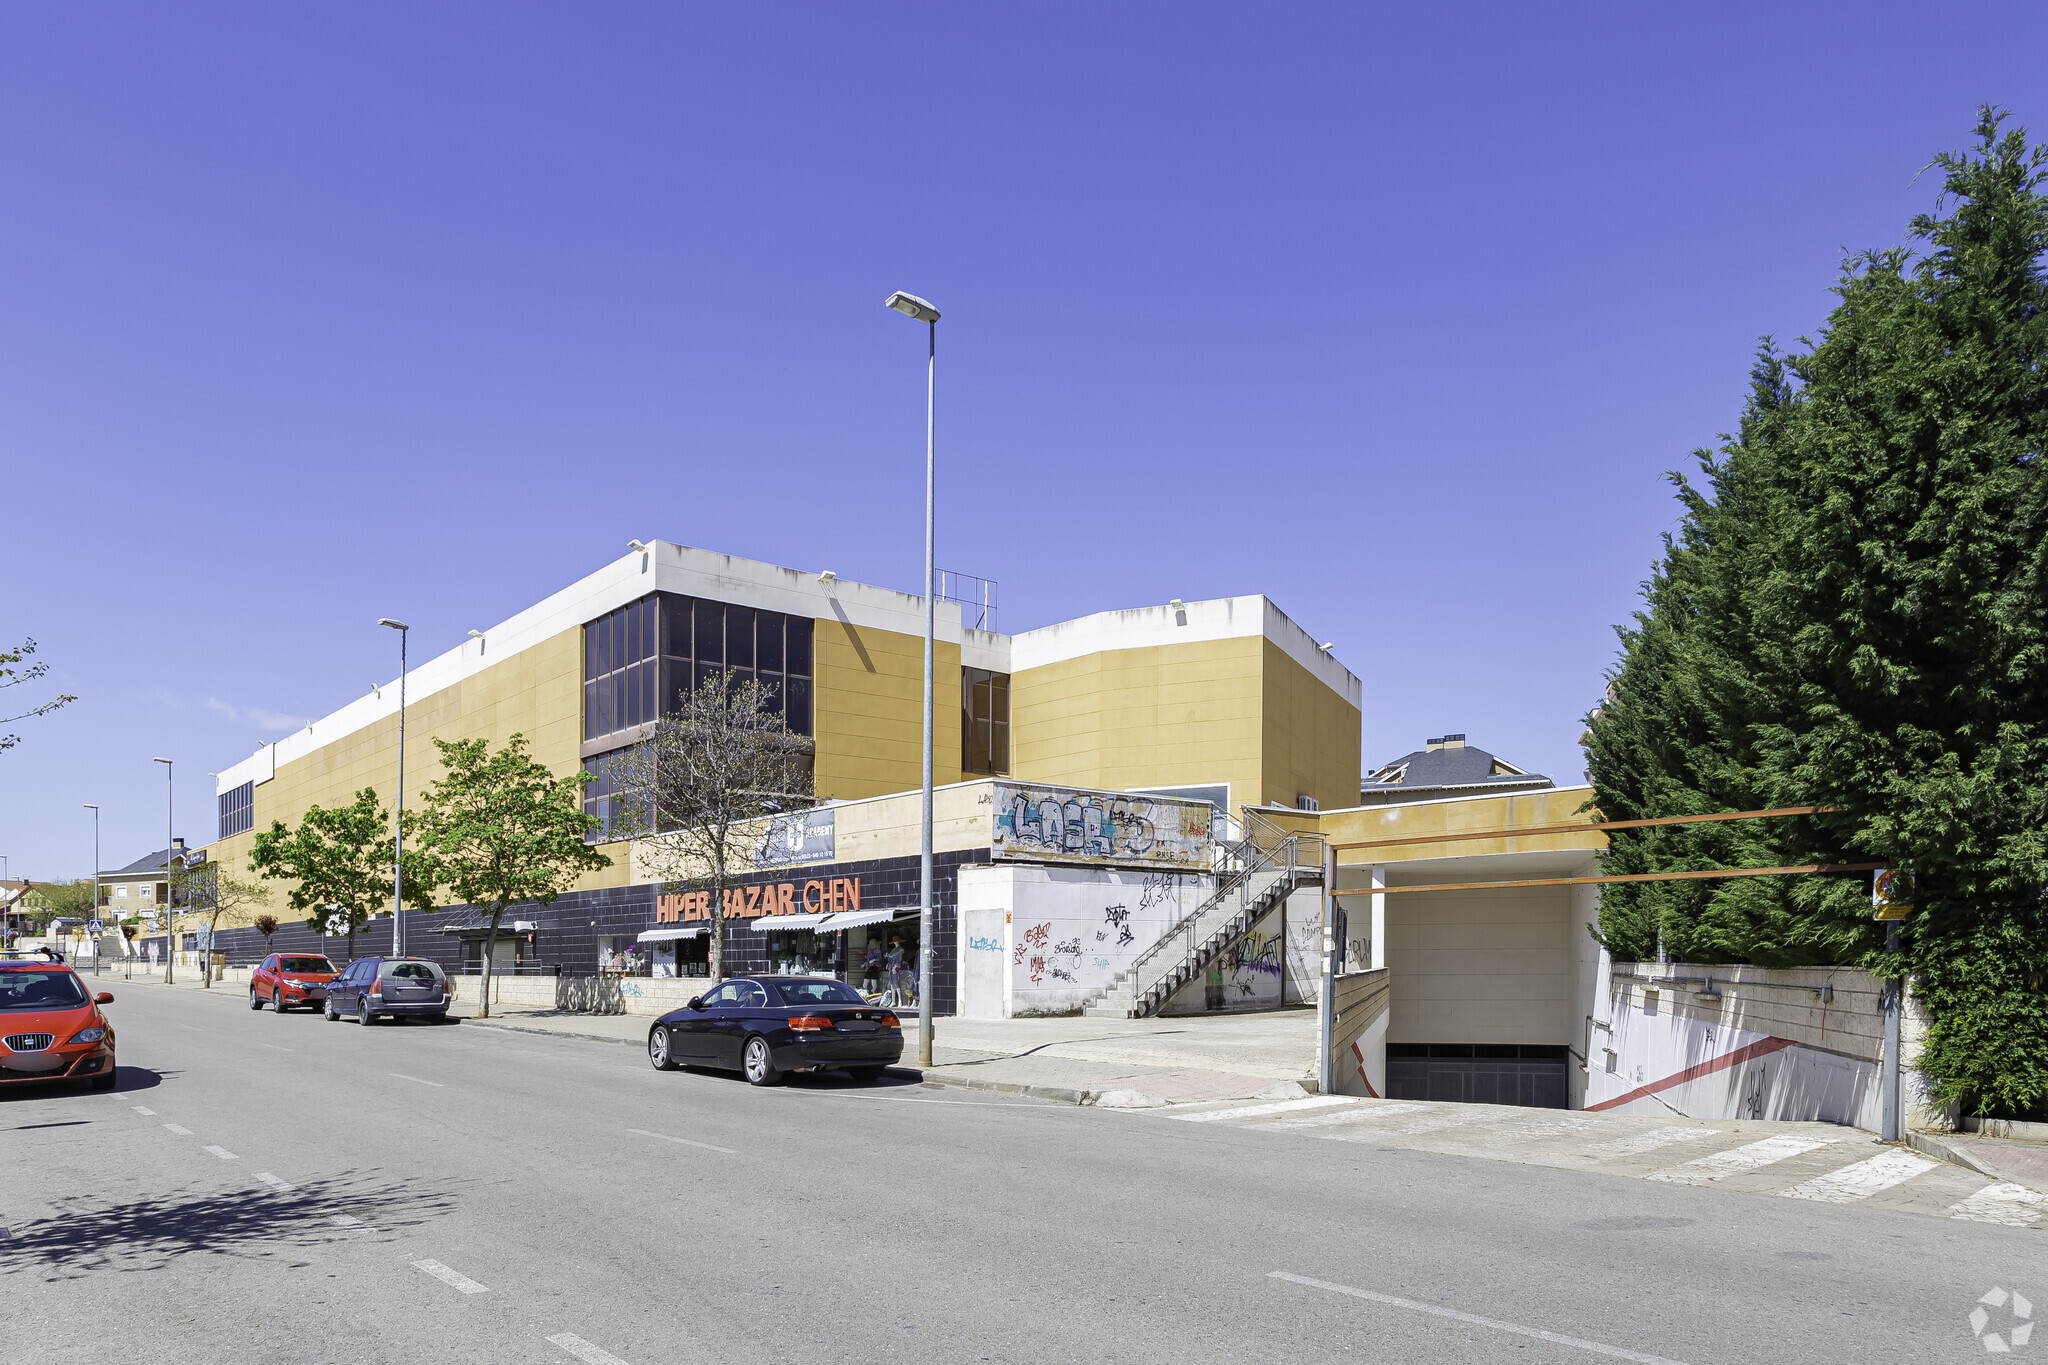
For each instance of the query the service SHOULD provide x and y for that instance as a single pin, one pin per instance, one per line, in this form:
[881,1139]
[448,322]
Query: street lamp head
[911,306]
[90,806]
[160,760]
[635,545]
[395,625]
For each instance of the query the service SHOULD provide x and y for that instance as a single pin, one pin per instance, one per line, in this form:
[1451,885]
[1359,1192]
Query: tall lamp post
[911,306]
[170,920]
[95,884]
[398,821]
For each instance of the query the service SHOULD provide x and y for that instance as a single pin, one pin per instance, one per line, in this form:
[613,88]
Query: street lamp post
[170,920]
[95,885]
[911,306]
[398,820]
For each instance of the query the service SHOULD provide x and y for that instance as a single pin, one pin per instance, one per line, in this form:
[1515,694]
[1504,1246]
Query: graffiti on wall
[1060,824]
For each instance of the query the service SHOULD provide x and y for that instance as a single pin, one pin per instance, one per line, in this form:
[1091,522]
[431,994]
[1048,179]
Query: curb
[1060,1093]
[1933,1146]
[468,1022]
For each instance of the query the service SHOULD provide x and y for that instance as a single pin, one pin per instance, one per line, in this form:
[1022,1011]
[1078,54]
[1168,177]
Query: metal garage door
[1477,1073]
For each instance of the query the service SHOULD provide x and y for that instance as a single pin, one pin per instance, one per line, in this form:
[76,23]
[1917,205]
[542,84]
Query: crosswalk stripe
[1362,1114]
[1748,1157]
[1862,1179]
[2013,1205]
[1256,1110]
[1646,1142]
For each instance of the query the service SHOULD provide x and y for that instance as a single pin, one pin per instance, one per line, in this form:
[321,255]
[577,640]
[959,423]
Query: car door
[351,984]
[750,1002]
[691,1034]
[265,977]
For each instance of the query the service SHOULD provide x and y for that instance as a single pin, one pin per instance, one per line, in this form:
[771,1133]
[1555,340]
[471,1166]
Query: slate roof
[149,862]
[1450,767]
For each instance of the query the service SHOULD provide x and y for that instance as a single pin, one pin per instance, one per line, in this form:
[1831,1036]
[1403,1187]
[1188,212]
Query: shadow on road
[94,1232]
[126,1079]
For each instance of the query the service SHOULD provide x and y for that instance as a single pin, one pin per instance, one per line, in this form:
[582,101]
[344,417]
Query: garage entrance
[1478,1073]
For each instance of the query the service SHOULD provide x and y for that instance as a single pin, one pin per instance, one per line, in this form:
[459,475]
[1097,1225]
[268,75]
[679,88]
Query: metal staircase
[1258,873]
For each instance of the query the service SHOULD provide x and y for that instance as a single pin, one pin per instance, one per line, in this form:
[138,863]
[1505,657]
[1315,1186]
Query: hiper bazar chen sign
[1064,825]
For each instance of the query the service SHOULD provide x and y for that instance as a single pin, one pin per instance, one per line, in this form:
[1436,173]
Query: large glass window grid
[237,809]
[641,660]
[984,721]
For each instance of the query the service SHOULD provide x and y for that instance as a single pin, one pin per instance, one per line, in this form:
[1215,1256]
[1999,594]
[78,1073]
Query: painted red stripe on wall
[1363,1079]
[1762,1048]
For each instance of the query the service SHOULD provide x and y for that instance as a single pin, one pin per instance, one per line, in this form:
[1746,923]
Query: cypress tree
[1854,613]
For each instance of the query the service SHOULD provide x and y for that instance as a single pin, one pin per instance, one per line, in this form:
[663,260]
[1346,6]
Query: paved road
[472,1194]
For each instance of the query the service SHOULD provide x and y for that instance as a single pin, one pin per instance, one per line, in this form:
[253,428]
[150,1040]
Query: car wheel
[363,1015]
[760,1063]
[659,1055]
[865,1075]
[255,1000]
[328,1010]
[277,1002]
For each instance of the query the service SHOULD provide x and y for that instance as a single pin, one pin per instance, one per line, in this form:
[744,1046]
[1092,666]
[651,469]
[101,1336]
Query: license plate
[858,1026]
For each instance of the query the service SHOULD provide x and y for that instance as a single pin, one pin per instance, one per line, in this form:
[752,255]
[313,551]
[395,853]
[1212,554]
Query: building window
[607,798]
[641,660]
[984,721]
[237,809]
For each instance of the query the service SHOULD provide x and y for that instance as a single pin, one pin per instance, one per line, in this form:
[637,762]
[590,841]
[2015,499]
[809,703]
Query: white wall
[1484,966]
[1064,933]
[1302,981]
[1245,976]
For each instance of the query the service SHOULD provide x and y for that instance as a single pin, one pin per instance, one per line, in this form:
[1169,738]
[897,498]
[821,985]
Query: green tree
[1854,613]
[340,860]
[501,830]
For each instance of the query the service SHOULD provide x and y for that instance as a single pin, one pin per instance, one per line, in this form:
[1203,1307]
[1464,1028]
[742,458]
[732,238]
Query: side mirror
[103,998]
[696,1002]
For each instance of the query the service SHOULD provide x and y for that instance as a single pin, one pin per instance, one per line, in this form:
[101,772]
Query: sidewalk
[2014,1160]
[1128,1063]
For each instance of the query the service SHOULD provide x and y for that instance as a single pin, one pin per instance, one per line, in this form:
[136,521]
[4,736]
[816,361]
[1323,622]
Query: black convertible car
[767,1026]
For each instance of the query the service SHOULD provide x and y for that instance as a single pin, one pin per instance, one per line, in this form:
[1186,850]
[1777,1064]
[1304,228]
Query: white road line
[684,1141]
[275,1048]
[1349,1116]
[1616,1352]
[451,1277]
[356,1223]
[403,1077]
[1862,1179]
[583,1350]
[267,1178]
[2016,1206]
[140,1110]
[1645,1142]
[1252,1111]
[1748,1157]
[1437,1121]
[181,1132]
[223,1153]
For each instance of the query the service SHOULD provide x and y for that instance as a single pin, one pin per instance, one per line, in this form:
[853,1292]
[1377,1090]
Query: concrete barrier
[640,995]
[1359,1035]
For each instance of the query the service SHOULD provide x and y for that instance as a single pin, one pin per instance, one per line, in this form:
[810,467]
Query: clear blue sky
[315,314]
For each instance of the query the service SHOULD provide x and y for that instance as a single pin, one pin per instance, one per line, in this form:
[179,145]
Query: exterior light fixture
[635,545]
[1176,605]
[1326,646]
[911,306]
[828,578]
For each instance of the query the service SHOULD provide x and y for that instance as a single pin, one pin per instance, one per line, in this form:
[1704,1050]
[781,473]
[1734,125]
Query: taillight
[377,988]
[891,1021]
[810,1023]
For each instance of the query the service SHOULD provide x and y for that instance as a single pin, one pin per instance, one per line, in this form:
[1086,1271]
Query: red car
[283,980]
[51,1028]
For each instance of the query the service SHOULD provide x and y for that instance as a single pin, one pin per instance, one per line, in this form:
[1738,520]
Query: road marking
[181,1132]
[684,1141]
[1748,1157]
[223,1153]
[1645,1142]
[275,1048]
[1616,1352]
[140,1110]
[403,1077]
[1862,1179]
[2016,1206]
[358,1224]
[583,1350]
[451,1277]
[267,1178]
[1250,1111]
[1359,1115]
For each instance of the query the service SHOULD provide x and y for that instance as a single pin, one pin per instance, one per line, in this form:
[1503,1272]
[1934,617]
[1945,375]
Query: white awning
[769,924]
[669,935]
[853,919]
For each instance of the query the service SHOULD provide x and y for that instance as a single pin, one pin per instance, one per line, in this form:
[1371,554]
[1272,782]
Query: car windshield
[801,993]
[58,990]
[304,964]
[423,970]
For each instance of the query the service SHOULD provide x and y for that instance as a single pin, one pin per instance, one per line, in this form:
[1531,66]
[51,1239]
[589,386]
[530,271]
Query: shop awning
[670,935]
[769,924]
[854,919]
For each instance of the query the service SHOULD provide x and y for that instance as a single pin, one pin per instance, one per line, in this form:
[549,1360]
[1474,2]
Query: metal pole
[398,824]
[1326,1008]
[931,608]
[170,918]
[1894,988]
[95,885]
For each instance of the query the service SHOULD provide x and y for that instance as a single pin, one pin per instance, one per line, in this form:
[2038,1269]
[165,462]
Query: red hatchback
[51,1028]
[283,980]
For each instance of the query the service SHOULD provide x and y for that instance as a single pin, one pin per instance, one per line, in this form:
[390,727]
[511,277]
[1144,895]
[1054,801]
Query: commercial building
[1224,701]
